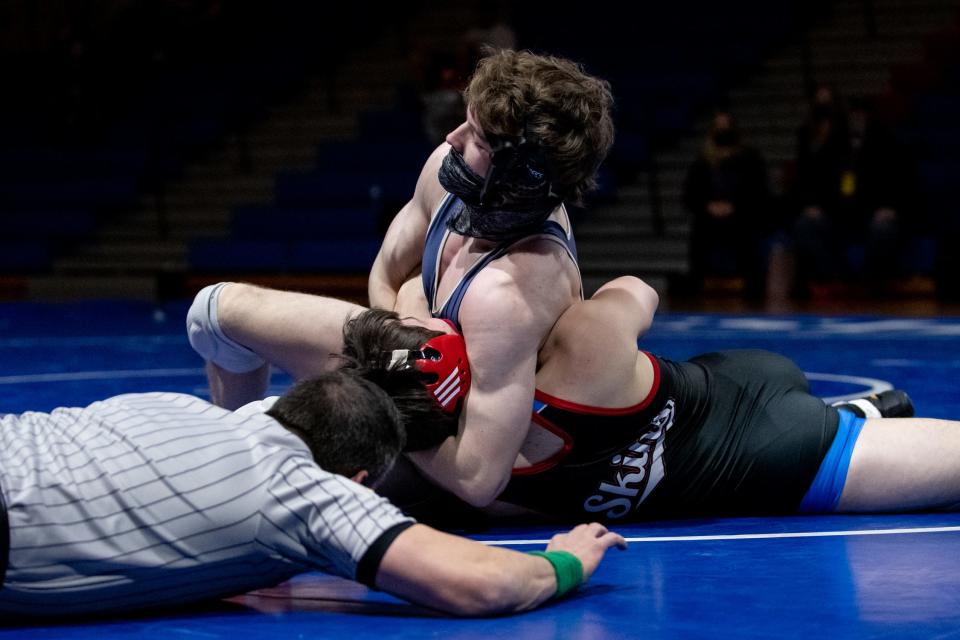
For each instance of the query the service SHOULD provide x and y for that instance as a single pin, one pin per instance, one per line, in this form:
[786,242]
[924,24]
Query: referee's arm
[469,578]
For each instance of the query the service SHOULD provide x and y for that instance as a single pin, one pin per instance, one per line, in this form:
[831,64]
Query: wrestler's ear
[360,476]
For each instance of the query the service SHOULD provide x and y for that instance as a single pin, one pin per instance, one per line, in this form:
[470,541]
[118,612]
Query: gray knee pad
[208,340]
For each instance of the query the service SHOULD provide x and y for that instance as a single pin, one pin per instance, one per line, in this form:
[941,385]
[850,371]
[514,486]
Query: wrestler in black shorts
[734,432]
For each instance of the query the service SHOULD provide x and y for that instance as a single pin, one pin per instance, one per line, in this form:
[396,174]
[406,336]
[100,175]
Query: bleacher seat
[392,124]
[370,155]
[346,255]
[343,188]
[54,225]
[225,254]
[24,256]
[270,222]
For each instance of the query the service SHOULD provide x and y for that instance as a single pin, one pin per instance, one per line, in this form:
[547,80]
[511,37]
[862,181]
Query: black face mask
[512,201]
[822,112]
[725,138]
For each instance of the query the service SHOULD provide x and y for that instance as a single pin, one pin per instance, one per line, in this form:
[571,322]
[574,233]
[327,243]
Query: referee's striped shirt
[161,498]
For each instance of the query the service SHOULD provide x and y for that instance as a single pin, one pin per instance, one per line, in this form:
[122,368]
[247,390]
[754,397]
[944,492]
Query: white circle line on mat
[755,536]
[68,376]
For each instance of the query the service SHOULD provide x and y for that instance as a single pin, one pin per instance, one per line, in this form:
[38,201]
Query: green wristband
[568,568]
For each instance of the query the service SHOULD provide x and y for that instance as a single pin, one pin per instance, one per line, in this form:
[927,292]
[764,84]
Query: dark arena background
[151,148]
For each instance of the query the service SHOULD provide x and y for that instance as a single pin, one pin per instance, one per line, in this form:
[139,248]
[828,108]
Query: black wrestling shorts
[755,443]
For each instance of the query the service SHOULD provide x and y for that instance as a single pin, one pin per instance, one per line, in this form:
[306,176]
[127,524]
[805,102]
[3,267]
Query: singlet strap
[437,234]
[433,247]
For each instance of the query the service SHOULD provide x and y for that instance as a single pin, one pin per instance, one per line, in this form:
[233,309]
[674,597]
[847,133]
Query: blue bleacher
[24,256]
[654,57]
[347,255]
[58,164]
[152,114]
[224,254]
[52,225]
[344,188]
[368,155]
[270,222]
[659,81]
[391,124]
[276,239]
[41,196]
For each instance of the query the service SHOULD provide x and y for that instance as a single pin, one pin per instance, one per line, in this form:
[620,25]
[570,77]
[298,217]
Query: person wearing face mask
[488,234]
[854,186]
[879,200]
[484,244]
[822,179]
[727,196]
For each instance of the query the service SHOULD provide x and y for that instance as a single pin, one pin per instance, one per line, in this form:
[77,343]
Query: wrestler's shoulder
[534,274]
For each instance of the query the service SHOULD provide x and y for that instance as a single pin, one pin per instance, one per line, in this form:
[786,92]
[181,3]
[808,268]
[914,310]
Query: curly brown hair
[567,110]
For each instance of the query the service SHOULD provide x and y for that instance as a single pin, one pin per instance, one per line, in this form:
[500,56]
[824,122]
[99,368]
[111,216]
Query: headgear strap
[444,357]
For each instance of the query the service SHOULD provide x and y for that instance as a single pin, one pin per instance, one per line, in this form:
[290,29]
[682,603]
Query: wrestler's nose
[455,138]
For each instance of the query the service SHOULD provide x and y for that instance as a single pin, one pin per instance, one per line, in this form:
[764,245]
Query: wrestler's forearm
[402,249]
[411,301]
[381,291]
[388,282]
[460,475]
[461,466]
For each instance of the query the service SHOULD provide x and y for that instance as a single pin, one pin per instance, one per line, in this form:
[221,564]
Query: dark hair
[568,111]
[366,338]
[349,423]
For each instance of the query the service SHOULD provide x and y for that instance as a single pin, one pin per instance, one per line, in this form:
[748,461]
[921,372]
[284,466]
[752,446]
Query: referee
[160,499]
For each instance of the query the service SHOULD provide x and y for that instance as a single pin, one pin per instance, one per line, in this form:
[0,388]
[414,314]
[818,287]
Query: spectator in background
[883,190]
[853,185]
[821,155]
[727,195]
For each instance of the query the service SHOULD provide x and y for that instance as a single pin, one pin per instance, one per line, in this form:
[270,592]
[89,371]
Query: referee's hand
[588,542]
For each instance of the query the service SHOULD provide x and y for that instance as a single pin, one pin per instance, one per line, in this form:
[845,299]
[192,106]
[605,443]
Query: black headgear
[512,200]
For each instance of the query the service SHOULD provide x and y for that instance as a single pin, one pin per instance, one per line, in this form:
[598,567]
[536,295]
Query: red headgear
[446,358]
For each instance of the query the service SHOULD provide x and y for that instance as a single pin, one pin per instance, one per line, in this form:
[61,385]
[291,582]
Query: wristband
[568,568]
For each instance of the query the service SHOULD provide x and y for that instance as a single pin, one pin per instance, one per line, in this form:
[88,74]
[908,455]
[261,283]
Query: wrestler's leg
[241,330]
[903,464]
[296,332]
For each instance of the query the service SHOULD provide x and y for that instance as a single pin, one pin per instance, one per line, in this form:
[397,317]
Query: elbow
[647,297]
[482,493]
[642,292]
[478,499]
[647,294]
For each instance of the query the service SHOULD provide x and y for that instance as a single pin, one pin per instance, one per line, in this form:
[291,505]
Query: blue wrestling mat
[804,576]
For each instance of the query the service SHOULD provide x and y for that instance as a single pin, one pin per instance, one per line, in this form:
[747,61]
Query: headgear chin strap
[444,360]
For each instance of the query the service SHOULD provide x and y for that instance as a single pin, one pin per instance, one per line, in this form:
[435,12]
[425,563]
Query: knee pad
[208,340]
